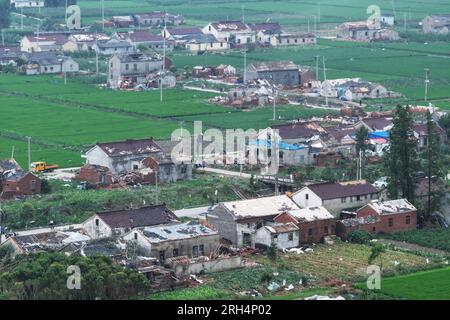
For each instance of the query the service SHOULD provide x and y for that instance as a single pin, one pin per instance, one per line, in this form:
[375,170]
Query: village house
[83,41]
[167,170]
[157,18]
[380,217]
[436,24]
[340,139]
[336,196]
[314,223]
[113,46]
[289,154]
[48,63]
[145,39]
[189,239]
[235,33]
[284,73]
[123,21]
[421,133]
[95,174]
[60,241]
[14,182]
[264,31]
[387,20]
[220,71]
[252,95]
[123,156]
[132,68]
[9,55]
[120,222]
[363,31]
[283,235]
[299,132]
[43,42]
[237,221]
[27,3]
[376,124]
[178,34]
[354,89]
[204,42]
[292,39]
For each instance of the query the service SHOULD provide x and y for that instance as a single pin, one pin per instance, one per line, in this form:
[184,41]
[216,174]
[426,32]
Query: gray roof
[180,231]
[274,66]
[113,43]
[138,57]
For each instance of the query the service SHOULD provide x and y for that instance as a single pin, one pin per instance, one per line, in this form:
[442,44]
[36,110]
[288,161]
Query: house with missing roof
[364,31]
[436,24]
[120,222]
[123,156]
[157,18]
[376,124]
[264,31]
[15,182]
[143,38]
[48,63]
[113,46]
[336,196]
[380,217]
[189,239]
[292,39]
[237,221]
[284,73]
[313,223]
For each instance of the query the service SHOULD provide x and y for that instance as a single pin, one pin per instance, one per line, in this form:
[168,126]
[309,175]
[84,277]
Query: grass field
[345,261]
[427,285]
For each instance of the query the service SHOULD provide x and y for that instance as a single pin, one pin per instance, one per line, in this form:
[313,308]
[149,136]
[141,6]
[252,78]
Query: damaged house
[48,63]
[237,221]
[235,33]
[380,217]
[364,31]
[143,38]
[436,24]
[292,39]
[283,235]
[284,73]
[190,239]
[130,70]
[119,222]
[14,182]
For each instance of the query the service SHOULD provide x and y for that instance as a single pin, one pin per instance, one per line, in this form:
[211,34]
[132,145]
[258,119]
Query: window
[275,237]
[374,229]
[195,251]
[201,250]
[391,222]
[408,219]
[306,196]
[33,185]
[127,67]
[325,229]
[358,198]
[343,200]
[97,222]
[135,167]
[135,236]
[291,236]
[175,252]
[310,232]
[162,255]
[135,67]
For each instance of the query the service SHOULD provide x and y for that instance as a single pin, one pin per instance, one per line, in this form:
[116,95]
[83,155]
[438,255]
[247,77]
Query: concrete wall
[278,77]
[102,230]
[216,265]
[306,198]
[335,206]
[224,223]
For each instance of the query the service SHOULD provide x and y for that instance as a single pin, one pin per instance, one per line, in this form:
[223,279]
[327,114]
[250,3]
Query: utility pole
[163,67]
[427,72]
[66,13]
[325,79]
[274,102]
[315,25]
[65,77]
[317,67]
[318,12]
[21,18]
[12,153]
[245,64]
[29,152]
[103,15]
[3,37]
[404,21]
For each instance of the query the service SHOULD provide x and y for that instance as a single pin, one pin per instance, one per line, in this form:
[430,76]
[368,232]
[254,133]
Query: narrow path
[414,247]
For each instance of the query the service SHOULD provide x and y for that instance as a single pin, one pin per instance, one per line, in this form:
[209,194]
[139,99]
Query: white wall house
[284,235]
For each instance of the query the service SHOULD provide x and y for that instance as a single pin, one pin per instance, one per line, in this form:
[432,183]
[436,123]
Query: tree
[376,252]
[45,186]
[444,122]
[5,10]
[362,135]
[401,159]
[433,165]
[272,251]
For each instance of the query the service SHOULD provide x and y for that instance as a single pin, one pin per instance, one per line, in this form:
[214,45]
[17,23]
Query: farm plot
[175,101]
[70,126]
[346,261]
[427,285]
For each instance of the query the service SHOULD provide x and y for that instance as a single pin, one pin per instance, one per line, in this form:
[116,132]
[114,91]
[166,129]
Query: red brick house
[19,184]
[95,174]
[380,217]
[314,223]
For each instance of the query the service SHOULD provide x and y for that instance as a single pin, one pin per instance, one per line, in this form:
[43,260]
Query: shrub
[359,236]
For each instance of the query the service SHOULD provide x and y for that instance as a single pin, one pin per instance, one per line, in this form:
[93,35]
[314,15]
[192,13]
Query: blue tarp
[379,134]
[281,145]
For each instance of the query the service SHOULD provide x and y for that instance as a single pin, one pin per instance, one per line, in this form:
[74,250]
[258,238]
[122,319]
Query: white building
[283,235]
[234,32]
[27,3]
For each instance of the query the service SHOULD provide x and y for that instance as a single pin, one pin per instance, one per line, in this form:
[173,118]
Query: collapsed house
[284,73]
[439,24]
[15,182]
[354,89]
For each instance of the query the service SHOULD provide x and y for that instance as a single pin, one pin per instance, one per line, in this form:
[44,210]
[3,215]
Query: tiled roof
[274,65]
[128,147]
[334,190]
[266,26]
[142,217]
[225,26]
[57,38]
[392,206]
[298,130]
[282,228]
[184,31]
[378,123]
[311,214]
[177,232]
[139,36]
